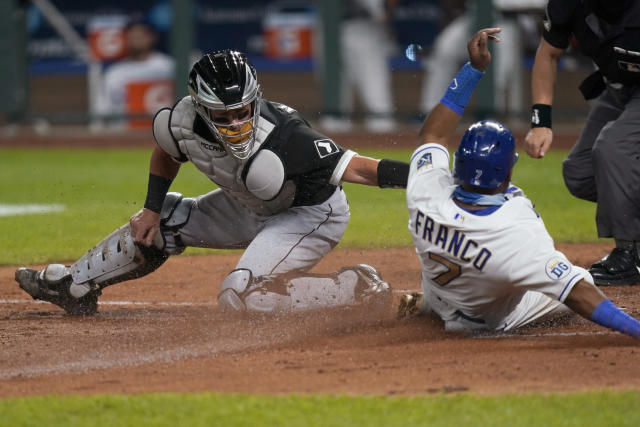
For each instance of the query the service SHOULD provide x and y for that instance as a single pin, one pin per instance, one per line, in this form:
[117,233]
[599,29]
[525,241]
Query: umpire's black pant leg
[616,162]
[577,169]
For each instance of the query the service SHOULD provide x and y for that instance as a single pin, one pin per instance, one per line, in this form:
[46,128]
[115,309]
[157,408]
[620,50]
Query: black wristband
[541,116]
[392,174]
[156,192]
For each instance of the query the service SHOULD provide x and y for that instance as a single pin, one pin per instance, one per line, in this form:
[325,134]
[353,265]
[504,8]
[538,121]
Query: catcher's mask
[485,156]
[226,94]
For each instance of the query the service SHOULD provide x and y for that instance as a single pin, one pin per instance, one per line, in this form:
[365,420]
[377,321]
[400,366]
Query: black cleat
[371,287]
[620,267]
[32,282]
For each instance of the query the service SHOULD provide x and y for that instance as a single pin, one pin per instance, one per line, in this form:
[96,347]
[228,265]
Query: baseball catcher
[279,197]
[488,263]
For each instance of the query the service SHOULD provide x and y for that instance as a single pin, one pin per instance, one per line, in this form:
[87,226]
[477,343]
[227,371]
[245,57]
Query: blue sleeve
[610,316]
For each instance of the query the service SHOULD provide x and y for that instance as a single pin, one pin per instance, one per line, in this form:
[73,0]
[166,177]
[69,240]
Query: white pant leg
[453,319]
[448,53]
[365,53]
[533,306]
[217,221]
[298,238]
[509,70]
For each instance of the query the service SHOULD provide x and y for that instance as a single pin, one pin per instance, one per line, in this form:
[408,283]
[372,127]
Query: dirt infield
[164,333]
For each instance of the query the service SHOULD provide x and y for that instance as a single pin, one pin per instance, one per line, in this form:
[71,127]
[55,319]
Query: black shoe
[620,267]
[371,288]
[57,293]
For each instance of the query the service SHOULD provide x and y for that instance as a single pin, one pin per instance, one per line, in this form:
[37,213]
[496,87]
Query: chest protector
[614,48]
[258,183]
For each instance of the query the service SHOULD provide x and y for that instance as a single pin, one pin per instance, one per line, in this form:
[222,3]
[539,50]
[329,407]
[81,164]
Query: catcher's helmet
[223,81]
[485,156]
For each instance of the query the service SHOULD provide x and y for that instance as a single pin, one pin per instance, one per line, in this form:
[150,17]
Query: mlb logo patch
[425,161]
[557,268]
[325,147]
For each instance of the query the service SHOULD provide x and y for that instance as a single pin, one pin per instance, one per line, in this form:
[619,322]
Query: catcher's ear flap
[163,136]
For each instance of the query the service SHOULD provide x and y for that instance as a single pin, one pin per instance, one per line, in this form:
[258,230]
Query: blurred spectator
[366,42]
[136,87]
[449,53]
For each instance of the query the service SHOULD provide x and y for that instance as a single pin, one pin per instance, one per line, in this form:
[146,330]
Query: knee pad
[232,290]
[175,213]
[115,259]
[241,291]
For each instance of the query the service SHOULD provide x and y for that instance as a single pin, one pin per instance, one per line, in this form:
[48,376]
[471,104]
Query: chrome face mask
[237,138]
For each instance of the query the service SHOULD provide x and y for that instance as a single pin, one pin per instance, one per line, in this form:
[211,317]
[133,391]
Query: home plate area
[165,333]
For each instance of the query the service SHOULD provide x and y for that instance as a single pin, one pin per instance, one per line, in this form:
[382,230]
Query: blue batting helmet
[485,156]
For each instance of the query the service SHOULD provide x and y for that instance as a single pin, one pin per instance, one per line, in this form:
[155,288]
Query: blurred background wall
[55,52]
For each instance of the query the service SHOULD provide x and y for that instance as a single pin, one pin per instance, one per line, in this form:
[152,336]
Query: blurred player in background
[280,198]
[448,52]
[140,84]
[487,260]
[603,165]
[367,43]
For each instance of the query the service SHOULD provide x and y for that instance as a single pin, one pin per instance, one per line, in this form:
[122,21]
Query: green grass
[102,188]
[580,409]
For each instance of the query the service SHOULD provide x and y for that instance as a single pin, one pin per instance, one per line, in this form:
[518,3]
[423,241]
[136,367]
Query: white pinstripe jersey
[480,265]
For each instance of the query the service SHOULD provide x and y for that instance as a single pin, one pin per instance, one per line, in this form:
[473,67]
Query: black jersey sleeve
[558,22]
[307,151]
[310,160]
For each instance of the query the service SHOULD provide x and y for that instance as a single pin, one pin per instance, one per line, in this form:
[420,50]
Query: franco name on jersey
[451,240]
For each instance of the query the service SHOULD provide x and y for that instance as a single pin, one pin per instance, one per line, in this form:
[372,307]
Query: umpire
[604,164]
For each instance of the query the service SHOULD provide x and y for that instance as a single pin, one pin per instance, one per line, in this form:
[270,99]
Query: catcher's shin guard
[361,284]
[175,213]
[76,288]
[116,259]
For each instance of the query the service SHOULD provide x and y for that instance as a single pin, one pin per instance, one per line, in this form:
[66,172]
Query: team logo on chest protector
[557,268]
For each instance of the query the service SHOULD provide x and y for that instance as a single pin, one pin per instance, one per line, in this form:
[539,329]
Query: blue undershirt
[493,202]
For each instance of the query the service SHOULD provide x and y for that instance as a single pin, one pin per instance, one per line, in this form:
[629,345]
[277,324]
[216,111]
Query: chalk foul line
[122,303]
[32,208]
